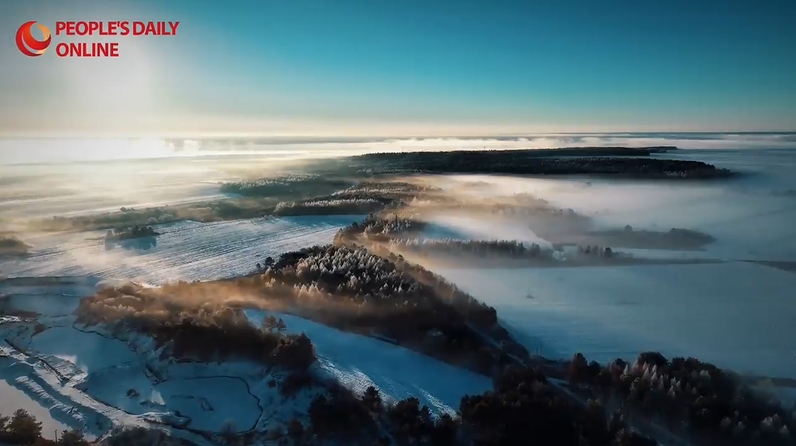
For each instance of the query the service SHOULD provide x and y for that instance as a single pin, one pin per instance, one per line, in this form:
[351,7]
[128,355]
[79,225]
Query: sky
[407,68]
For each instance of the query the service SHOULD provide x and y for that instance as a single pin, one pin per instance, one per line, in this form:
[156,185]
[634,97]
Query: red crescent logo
[29,45]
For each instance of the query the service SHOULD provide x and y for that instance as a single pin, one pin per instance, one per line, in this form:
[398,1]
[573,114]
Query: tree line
[715,406]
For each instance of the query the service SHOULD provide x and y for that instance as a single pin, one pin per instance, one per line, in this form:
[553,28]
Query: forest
[688,396]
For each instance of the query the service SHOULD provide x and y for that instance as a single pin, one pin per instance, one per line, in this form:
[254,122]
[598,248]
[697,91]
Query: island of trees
[627,237]
[130,233]
[12,247]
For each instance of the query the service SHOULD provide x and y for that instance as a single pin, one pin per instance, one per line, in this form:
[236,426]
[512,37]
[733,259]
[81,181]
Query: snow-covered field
[737,315]
[359,362]
[185,250]
[71,377]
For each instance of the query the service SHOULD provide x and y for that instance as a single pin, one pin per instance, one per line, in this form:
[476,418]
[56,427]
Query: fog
[750,216]
[55,151]
[42,190]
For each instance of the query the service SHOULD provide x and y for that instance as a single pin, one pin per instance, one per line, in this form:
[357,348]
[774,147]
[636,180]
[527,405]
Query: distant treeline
[288,186]
[534,162]
[504,248]
[675,238]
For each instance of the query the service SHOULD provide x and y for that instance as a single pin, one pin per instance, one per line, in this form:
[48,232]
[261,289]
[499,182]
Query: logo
[29,45]
[33,47]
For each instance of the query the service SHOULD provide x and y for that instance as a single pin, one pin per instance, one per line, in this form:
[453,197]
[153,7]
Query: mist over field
[64,176]
[53,150]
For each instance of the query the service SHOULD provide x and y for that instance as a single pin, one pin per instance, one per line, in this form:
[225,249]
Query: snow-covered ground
[359,361]
[71,376]
[89,352]
[737,315]
[184,251]
[13,399]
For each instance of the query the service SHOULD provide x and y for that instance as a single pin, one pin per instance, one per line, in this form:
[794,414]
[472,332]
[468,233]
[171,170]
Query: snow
[206,402]
[52,297]
[88,351]
[185,250]
[111,385]
[14,399]
[359,361]
[93,402]
[24,377]
[737,315]
[212,402]
[69,378]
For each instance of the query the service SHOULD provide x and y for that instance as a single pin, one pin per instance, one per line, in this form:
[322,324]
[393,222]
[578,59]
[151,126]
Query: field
[359,362]
[184,251]
[735,315]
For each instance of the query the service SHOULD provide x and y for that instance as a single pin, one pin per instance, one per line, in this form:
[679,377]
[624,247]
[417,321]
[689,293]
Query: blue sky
[406,67]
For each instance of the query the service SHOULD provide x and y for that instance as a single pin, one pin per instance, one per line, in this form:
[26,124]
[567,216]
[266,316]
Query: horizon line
[364,138]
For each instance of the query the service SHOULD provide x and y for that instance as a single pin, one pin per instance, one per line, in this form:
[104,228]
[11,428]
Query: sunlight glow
[112,89]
